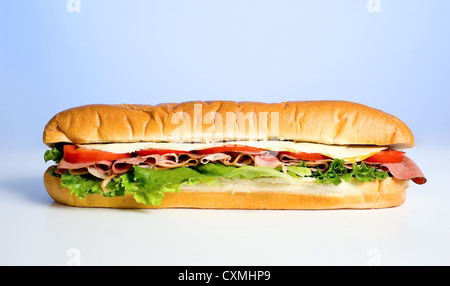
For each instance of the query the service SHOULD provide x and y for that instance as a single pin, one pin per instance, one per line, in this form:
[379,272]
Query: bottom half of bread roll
[263,193]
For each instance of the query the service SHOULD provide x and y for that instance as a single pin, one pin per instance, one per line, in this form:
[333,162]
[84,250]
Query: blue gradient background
[397,60]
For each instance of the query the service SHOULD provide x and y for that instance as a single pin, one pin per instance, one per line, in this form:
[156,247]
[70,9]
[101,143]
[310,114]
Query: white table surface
[37,231]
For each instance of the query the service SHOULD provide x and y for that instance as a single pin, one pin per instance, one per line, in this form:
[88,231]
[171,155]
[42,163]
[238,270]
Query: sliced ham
[172,160]
[238,159]
[267,160]
[166,161]
[122,166]
[214,157]
[321,165]
[285,158]
[231,159]
[99,171]
[170,164]
[149,161]
[406,170]
[64,165]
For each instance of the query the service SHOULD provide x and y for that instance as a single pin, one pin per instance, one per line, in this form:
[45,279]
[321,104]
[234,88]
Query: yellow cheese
[348,153]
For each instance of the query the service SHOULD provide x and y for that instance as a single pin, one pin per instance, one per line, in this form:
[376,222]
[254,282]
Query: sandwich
[229,155]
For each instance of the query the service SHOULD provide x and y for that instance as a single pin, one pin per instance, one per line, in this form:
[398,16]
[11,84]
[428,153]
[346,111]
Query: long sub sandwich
[229,155]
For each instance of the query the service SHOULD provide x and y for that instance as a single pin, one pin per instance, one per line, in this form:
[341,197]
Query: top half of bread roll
[325,122]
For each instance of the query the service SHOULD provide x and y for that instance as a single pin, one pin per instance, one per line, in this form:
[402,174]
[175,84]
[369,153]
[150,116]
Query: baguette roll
[334,124]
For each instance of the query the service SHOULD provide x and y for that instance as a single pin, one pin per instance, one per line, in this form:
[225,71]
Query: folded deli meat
[106,154]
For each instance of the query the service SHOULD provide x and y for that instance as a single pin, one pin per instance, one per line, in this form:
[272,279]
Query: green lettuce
[53,155]
[298,171]
[149,185]
[337,172]
[82,185]
[244,172]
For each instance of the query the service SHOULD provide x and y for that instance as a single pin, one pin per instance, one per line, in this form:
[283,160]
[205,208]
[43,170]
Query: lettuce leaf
[81,185]
[337,172]
[298,171]
[251,172]
[214,169]
[53,155]
[149,185]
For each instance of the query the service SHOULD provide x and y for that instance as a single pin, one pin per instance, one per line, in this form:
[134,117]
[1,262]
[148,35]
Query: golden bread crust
[326,122]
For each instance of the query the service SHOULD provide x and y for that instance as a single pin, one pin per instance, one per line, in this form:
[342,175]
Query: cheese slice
[349,154]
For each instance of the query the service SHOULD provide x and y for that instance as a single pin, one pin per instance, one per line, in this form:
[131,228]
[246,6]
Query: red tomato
[305,156]
[159,152]
[386,156]
[74,154]
[230,148]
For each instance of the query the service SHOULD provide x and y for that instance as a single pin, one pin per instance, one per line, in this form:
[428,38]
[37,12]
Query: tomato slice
[74,154]
[305,156]
[229,148]
[386,156]
[147,152]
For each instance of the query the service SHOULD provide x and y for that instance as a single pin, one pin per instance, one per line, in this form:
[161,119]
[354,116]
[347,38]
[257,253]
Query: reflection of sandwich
[223,154]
